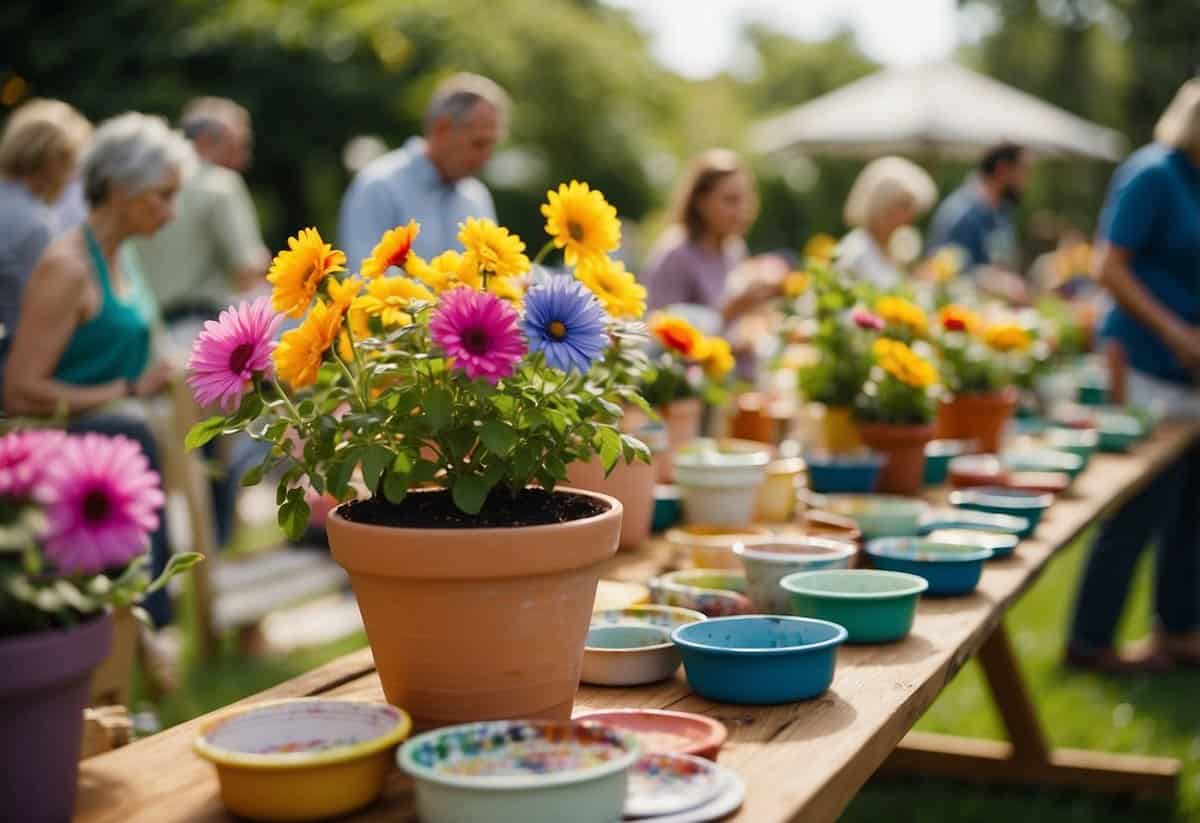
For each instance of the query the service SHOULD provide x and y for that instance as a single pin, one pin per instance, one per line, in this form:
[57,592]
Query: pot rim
[795,583]
[632,751]
[726,537]
[833,549]
[1003,497]
[716,736]
[879,547]
[614,506]
[839,636]
[620,651]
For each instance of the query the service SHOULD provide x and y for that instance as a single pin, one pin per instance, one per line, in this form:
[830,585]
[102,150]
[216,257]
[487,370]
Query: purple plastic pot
[45,679]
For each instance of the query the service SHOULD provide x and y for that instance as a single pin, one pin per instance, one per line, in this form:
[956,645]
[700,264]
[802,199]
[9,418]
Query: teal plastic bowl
[1118,432]
[938,454]
[955,518]
[1092,394]
[668,510]
[1043,460]
[1000,500]
[949,568]
[999,543]
[875,606]
[879,515]
[1080,442]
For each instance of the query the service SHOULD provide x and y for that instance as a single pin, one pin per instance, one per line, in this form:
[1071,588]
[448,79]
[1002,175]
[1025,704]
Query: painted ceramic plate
[733,792]
[670,783]
[666,732]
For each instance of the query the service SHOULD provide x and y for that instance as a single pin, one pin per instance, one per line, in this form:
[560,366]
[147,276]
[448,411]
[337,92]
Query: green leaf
[395,486]
[375,460]
[436,405]
[424,471]
[469,493]
[254,476]
[251,408]
[337,476]
[609,441]
[203,432]
[402,463]
[635,448]
[293,515]
[178,564]
[498,436]
[558,420]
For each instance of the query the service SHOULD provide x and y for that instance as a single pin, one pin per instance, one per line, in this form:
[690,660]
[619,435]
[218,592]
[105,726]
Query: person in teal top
[83,343]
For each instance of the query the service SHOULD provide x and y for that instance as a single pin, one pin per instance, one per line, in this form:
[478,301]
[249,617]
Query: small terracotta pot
[979,417]
[478,624]
[904,448]
[752,421]
[839,431]
[682,420]
[631,483]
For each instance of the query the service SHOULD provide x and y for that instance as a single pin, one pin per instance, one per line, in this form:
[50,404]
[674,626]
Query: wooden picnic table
[801,761]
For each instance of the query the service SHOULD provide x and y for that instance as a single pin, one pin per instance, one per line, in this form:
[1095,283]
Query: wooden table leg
[1027,759]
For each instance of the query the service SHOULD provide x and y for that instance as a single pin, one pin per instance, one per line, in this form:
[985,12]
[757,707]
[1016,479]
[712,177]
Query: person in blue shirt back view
[977,218]
[1149,260]
[430,179]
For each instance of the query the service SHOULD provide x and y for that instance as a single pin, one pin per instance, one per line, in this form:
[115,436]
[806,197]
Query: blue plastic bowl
[759,659]
[949,568]
[938,454]
[843,473]
[1000,500]
[958,518]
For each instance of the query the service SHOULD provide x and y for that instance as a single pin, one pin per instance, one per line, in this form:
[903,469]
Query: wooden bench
[801,761]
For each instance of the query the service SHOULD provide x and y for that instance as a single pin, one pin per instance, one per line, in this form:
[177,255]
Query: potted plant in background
[895,413]
[980,364]
[841,343]
[688,372]
[76,512]
[459,398]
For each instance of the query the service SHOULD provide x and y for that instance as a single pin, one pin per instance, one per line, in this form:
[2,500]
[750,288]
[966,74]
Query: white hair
[134,151]
[883,184]
[1179,126]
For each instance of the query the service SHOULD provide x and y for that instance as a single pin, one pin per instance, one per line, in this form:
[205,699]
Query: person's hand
[1185,342]
[153,380]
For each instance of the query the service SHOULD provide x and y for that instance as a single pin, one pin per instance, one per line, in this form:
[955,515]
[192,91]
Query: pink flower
[230,351]
[24,456]
[866,320]
[478,331]
[101,502]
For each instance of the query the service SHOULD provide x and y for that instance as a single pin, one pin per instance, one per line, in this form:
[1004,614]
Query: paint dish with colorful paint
[520,771]
[304,758]
[713,592]
[662,784]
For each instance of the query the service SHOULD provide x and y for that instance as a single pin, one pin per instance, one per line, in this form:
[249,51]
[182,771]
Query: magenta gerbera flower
[230,351]
[23,458]
[478,331]
[101,501]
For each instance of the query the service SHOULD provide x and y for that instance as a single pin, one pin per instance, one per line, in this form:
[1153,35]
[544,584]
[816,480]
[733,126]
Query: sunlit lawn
[1159,716]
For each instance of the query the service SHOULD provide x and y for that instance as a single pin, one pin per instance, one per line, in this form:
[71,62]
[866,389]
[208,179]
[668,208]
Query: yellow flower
[716,357]
[297,273]
[901,362]
[945,264]
[820,247]
[959,318]
[506,288]
[896,311]
[492,248]
[616,289]
[1006,337]
[300,351]
[357,321]
[391,250]
[795,284]
[391,298]
[442,273]
[343,292]
[581,222]
[676,334]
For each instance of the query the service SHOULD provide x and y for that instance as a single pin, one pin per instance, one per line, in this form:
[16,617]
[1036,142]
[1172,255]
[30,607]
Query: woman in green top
[84,337]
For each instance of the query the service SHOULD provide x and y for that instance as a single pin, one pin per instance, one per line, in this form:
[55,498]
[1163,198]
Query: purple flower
[865,319]
[230,351]
[24,456]
[101,501]
[565,323]
[478,332]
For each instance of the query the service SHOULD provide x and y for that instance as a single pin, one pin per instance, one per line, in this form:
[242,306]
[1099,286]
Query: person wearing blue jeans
[1149,259]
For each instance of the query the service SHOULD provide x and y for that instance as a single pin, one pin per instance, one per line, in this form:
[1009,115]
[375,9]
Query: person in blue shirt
[1149,259]
[977,218]
[431,179]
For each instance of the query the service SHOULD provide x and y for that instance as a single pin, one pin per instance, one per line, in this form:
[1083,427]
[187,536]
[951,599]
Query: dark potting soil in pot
[436,510]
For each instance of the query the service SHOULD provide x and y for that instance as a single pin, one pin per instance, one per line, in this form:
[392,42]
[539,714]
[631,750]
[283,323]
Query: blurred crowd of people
[117,242]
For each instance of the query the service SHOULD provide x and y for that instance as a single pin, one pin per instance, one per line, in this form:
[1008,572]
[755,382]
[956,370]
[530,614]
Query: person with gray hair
[888,193]
[83,346]
[430,180]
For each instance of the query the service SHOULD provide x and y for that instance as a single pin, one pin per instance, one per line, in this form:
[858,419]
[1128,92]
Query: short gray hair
[206,114]
[883,183]
[457,95]
[1179,126]
[132,150]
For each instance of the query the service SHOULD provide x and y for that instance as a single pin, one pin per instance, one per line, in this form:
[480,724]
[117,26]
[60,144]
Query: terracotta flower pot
[839,431]
[979,417]
[631,483]
[477,624]
[43,692]
[682,421]
[904,448]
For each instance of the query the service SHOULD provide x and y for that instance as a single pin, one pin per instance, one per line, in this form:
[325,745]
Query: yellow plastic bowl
[302,759]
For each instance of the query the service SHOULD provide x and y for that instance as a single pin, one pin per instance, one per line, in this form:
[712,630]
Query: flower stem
[541,255]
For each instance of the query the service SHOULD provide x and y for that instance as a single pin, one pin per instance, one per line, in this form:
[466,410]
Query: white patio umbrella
[938,109]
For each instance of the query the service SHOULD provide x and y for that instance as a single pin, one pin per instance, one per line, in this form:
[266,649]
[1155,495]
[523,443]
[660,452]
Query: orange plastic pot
[630,483]
[979,417]
[477,624]
[682,421]
[904,448]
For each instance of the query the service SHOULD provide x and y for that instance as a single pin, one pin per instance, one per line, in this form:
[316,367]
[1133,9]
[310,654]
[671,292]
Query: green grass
[1148,715]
